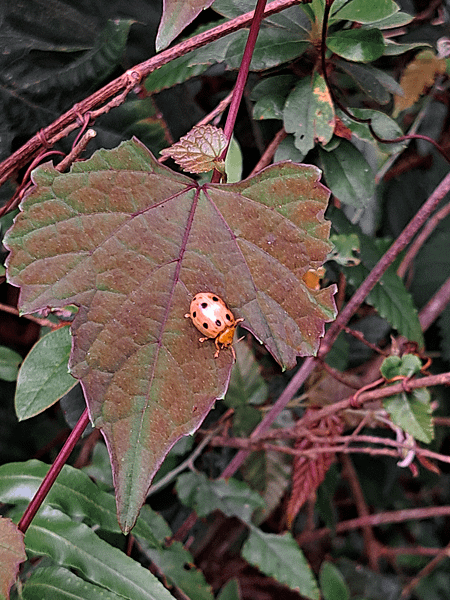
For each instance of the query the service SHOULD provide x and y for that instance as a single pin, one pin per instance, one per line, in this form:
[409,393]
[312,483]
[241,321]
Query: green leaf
[413,413]
[270,96]
[377,84]
[398,19]
[384,127]
[75,546]
[234,498]
[273,47]
[172,73]
[230,591]
[44,375]
[9,364]
[407,365]
[309,113]
[177,14]
[362,11]
[177,564]
[12,553]
[130,242]
[280,557]
[358,45]
[390,297]
[58,583]
[348,174]
[394,49]
[332,583]
[346,249]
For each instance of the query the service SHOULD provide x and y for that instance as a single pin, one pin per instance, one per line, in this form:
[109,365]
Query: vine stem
[241,80]
[53,472]
[115,92]
[343,318]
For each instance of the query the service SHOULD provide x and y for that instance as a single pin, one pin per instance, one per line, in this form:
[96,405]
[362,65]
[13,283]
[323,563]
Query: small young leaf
[9,364]
[199,150]
[407,365]
[280,557]
[12,553]
[309,113]
[234,498]
[44,375]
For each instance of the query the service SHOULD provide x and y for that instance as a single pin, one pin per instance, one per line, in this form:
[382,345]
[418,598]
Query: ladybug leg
[217,343]
[201,340]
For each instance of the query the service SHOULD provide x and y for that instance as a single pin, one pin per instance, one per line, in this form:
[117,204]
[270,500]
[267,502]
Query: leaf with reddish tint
[177,14]
[130,242]
[199,150]
[12,553]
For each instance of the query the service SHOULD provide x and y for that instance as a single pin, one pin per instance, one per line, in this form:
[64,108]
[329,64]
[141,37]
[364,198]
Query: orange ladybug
[214,319]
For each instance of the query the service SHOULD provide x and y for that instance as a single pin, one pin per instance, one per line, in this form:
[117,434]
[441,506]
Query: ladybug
[214,319]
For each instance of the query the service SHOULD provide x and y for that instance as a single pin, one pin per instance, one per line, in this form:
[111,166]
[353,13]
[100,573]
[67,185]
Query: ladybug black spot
[215,299]
[228,317]
[218,323]
[205,325]
[204,304]
[194,314]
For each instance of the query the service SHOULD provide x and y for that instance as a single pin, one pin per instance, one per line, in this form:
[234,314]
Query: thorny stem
[53,472]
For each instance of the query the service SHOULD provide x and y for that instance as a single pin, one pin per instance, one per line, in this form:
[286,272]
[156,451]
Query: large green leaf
[309,113]
[73,493]
[76,546]
[130,242]
[280,557]
[358,45]
[362,11]
[58,583]
[348,174]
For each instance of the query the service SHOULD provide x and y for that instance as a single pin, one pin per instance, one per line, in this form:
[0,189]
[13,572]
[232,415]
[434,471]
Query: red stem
[241,79]
[53,472]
